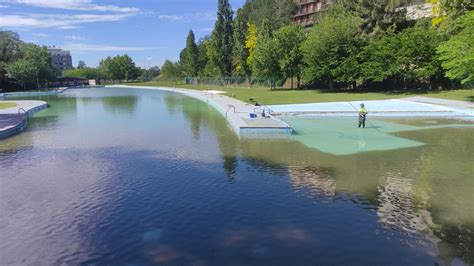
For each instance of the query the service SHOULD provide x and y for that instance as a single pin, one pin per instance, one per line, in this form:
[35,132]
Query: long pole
[37,80]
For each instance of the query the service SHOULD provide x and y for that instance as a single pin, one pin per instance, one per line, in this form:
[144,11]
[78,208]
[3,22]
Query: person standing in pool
[362,115]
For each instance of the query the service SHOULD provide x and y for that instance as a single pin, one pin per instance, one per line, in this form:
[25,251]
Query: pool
[121,176]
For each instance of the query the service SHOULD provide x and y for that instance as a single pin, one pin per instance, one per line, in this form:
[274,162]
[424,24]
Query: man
[362,115]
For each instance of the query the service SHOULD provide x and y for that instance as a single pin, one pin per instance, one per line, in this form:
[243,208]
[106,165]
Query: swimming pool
[124,176]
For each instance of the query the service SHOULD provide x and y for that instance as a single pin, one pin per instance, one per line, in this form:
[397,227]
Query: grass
[286,96]
[4,105]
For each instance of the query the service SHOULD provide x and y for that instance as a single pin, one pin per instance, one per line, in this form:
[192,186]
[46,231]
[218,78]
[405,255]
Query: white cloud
[172,18]
[74,38]
[90,48]
[56,21]
[41,35]
[82,5]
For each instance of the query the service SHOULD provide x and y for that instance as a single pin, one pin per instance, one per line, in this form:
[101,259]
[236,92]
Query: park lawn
[286,96]
[4,105]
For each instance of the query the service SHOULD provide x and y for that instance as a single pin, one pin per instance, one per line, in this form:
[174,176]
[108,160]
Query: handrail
[230,106]
[24,112]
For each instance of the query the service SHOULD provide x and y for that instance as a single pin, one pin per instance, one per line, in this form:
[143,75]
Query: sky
[150,31]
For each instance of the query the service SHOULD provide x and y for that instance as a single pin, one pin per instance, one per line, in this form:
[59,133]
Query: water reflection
[143,177]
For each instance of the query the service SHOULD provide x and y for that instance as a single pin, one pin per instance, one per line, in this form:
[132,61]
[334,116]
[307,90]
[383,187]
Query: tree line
[29,66]
[353,44]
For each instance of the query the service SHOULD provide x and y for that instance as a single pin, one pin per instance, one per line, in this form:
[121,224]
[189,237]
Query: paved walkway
[236,112]
[14,120]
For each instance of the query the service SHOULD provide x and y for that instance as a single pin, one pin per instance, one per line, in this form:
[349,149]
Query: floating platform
[14,120]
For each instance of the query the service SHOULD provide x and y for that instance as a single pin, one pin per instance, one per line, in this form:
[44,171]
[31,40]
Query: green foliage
[457,54]
[9,47]
[189,57]
[330,52]
[222,39]
[378,16]
[265,61]
[408,56]
[171,71]
[119,68]
[150,74]
[288,40]
[86,72]
[277,12]
[241,52]
[23,70]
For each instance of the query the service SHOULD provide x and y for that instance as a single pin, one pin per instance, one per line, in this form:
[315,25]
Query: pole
[37,80]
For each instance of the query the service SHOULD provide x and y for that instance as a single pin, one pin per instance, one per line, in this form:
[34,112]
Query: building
[60,58]
[307,9]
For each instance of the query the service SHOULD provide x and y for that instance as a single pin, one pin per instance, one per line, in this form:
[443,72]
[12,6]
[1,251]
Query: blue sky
[148,30]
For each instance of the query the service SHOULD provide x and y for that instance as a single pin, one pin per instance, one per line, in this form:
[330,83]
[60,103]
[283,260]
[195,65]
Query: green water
[139,177]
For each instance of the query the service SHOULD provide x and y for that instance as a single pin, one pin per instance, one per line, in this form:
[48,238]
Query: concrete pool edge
[14,120]
[234,111]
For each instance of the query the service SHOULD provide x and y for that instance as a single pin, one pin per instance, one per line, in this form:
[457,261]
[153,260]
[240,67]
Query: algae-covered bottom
[139,177]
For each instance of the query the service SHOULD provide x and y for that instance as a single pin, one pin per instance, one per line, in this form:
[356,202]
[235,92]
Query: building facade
[60,58]
[307,9]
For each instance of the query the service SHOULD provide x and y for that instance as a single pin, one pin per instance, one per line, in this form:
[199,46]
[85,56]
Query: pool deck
[236,112]
[413,106]
[14,120]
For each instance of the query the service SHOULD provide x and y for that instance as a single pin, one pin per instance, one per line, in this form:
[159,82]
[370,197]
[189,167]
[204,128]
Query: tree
[408,56]
[265,62]
[330,52]
[86,72]
[251,41]
[277,12]
[241,52]
[150,74]
[203,59]
[9,50]
[288,46]
[170,71]
[189,56]
[81,64]
[119,68]
[23,70]
[377,16]
[40,59]
[223,38]
[457,53]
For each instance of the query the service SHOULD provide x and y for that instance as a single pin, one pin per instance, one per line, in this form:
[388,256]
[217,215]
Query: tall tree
[241,52]
[189,60]
[457,54]
[288,46]
[330,52]
[40,59]
[223,38]
[265,61]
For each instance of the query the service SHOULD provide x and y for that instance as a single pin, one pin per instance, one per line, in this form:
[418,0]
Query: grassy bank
[285,96]
[4,105]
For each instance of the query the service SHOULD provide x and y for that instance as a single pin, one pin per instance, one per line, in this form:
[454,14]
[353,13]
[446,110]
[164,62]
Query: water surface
[139,177]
